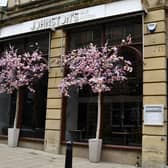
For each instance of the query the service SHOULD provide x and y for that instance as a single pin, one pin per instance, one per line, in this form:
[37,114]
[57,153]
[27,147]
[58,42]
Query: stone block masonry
[54,98]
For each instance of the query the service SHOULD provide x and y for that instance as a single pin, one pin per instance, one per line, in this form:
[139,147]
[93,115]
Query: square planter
[95,148]
[13,137]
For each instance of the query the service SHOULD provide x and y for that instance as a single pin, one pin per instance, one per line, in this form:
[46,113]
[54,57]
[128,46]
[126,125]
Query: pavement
[28,158]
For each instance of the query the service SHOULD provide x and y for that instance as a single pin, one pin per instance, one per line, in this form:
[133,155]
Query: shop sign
[64,19]
[154,114]
[76,16]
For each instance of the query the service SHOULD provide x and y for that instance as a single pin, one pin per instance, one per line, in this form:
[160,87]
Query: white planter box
[95,148]
[13,137]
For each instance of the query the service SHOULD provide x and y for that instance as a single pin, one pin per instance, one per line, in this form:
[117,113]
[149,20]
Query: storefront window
[5,102]
[32,107]
[122,106]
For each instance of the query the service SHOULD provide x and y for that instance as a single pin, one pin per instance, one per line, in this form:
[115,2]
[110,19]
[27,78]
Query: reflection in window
[34,110]
[5,103]
[32,107]
[85,37]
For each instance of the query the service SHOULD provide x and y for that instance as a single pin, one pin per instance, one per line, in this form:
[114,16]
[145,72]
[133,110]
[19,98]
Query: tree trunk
[17,109]
[98,116]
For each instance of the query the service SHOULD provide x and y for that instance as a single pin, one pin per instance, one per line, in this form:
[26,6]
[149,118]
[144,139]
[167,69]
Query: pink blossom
[19,70]
[97,67]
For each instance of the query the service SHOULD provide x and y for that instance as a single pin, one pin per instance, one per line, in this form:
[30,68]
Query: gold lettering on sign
[55,21]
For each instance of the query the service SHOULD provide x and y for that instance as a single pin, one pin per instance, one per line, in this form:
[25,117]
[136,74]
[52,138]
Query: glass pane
[71,114]
[118,30]
[81,116]
[32,106]
[122,107]
[84,37]
[33,42]
[114,33]
[4,113]
[81,110]
[34,109]
[122,122]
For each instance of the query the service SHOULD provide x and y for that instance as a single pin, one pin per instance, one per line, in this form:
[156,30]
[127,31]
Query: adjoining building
[134,115]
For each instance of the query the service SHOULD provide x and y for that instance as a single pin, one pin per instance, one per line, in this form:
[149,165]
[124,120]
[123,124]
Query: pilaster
[54,99]
[154,145]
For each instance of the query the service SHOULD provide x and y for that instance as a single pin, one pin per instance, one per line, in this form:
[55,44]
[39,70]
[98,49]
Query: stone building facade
[148,147]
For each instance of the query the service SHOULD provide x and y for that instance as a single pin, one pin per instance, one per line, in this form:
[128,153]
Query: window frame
[64,102]
[26,38]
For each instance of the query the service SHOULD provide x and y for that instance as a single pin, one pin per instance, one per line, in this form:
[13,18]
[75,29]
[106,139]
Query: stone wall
[154,147]
[12,3]
[23,10]
[54,99]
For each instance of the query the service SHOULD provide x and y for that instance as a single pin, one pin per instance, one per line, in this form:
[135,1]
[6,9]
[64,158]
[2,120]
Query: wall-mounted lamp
[151,27]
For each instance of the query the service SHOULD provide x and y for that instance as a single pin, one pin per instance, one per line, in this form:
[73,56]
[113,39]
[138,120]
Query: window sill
[105,146]
[138,148]
[35,140]
[81,144]
[3,137]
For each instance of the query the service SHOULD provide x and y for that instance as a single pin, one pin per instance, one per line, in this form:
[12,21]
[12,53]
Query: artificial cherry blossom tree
[18,70]
[100,68]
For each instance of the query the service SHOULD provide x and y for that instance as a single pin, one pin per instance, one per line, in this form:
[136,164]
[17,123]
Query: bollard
[68,157]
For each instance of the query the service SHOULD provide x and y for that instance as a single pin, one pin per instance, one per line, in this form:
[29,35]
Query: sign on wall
[76,16]
[3,3]
[154,114]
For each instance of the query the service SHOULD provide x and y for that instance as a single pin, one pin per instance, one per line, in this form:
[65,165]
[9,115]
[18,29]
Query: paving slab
[28,158]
